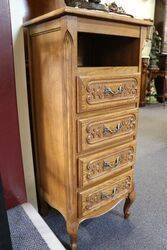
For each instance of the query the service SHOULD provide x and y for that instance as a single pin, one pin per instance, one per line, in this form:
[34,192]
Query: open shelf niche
[97,50]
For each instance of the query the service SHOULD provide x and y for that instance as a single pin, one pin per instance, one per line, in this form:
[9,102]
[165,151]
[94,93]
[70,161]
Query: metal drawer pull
[107,130]
[109,91]
[105,196]
[107,165]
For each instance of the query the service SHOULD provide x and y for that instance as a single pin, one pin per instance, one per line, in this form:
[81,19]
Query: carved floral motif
[94,199]
[100,92]
[101,131]
[110,163]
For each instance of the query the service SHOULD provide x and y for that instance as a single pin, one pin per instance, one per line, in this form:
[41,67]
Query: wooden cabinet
[104,91]
[103,130]
[105,164]
[85,69]
[107,192]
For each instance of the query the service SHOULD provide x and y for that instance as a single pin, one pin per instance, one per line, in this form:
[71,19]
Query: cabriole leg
[72,229]
[129,200]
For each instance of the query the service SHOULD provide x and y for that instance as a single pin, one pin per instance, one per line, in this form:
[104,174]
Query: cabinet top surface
[71,11]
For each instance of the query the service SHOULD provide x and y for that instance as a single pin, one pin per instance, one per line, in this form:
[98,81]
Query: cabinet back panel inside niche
[97,50]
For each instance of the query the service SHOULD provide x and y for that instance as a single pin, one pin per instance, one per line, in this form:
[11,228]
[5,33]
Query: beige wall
[139,8]
[143,9]
[17,13]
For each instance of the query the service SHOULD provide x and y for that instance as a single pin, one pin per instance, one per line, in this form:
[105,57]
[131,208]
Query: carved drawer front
[97,166]
[98,92]
[109,191]
[106,129]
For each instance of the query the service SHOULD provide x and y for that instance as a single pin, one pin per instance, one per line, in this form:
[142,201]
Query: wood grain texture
[70,58]
[105,91]
[110,129]
[104,27]
[85,118]
[48,98]
[100,195]
[105,164]
[104,71]
[89,14]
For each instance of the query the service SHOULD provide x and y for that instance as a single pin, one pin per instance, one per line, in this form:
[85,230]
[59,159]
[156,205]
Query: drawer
[105,193]
[106,130]
[104,164]
[101,92]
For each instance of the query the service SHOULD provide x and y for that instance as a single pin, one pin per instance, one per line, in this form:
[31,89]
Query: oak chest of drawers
[85,71]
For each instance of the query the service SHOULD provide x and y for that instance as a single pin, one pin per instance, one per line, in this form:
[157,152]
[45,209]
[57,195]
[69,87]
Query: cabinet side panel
[49,116]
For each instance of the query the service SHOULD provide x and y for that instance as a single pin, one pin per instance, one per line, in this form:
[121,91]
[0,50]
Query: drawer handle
[107,165]
[105,196]
[109,91]
[107,130]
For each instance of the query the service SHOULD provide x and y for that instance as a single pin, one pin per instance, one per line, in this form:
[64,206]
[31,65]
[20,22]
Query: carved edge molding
[50,30]
[98,91]
[68,44]
[98,167]
[98,132]
[93,200]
